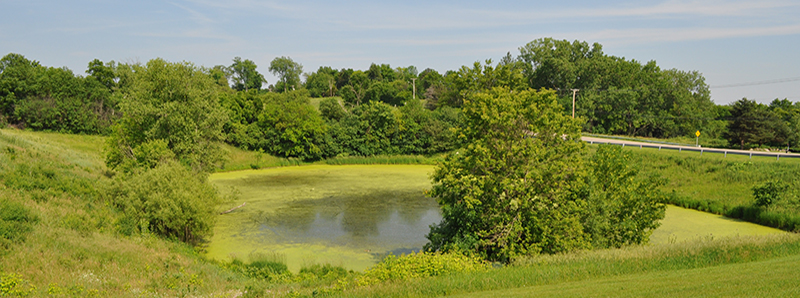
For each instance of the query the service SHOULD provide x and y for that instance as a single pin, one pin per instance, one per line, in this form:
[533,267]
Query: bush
[418,265]
[624,206]
[168,200]
[768,193]
[270,267]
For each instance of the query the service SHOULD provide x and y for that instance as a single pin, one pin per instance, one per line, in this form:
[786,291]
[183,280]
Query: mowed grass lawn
[770,278]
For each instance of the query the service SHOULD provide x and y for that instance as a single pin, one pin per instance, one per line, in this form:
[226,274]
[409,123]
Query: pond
[351,216]
[343,215]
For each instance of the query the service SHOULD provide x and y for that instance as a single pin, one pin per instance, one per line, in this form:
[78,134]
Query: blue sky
[730,42]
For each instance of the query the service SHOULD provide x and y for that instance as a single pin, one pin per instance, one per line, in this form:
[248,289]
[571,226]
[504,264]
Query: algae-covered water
[342,215]
[681,224]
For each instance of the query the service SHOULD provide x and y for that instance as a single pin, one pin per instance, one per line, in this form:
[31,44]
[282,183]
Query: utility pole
[573,101]
[414,87]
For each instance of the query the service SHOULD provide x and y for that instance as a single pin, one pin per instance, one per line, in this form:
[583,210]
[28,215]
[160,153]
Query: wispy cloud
[641,35]
[196,15]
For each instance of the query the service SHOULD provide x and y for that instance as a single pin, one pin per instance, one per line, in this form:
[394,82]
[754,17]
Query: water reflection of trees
[360,213]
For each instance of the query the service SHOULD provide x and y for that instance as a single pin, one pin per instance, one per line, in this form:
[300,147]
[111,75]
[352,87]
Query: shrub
[270,267]
[324,272]
[416,265]
[768,193]
[168,200]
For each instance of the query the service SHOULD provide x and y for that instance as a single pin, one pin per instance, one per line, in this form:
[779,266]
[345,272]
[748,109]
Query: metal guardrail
[702,150]
[632,139]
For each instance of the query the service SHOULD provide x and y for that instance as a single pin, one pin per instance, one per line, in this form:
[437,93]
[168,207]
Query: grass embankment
[71,247]
[723,185]
[238,159]
[601,271]
[67,244]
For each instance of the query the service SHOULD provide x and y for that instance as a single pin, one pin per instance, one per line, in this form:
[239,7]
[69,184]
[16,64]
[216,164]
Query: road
[777,155]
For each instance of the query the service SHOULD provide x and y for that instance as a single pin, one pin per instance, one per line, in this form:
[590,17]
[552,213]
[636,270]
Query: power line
[775,81]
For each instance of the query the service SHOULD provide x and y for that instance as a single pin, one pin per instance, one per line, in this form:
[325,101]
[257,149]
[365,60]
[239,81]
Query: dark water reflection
[393,221]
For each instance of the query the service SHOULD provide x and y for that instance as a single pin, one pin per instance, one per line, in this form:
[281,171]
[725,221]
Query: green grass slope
[58,237]
[73,250]
[723,185]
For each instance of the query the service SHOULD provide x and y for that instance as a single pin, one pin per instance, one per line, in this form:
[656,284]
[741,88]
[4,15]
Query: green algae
[348,216]
[681,224]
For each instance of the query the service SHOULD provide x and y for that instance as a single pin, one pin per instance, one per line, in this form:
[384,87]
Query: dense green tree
[322,83]
[752,124]
[624,207]
[521,185]
[243,109]
[220,75]
[244,75]
[168,200]
[288,71]
[172,104]
[406,73]
[48,98]
[513,189]
[331,109]
[289,126]
[481,77]
[355,91]
[619,96]
[557,64]
[17,81]
[788,133]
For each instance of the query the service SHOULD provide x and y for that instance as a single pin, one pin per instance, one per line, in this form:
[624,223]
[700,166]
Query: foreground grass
[748,279]
[760,255]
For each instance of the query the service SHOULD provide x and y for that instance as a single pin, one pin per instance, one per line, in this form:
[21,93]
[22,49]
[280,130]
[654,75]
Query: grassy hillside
[72,248]
[714,183]
[58,237]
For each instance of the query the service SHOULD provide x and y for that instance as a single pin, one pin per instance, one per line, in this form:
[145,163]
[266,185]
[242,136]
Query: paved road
[777,155]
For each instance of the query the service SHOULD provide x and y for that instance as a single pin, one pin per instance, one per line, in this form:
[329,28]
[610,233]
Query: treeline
[386,110]
[49,98]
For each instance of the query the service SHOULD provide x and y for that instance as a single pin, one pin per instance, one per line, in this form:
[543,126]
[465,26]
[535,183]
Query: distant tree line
[386,110]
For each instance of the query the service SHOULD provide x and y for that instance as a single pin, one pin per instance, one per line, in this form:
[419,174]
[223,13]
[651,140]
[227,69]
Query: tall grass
[723,185]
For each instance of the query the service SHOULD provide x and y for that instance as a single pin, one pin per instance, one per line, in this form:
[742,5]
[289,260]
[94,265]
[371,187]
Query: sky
[743,48]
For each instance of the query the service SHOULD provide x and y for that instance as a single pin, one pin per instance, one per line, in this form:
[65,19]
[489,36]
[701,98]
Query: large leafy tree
[619,96]
[513,189]
[244,75]
[288,71]
[521,185]
[322,83]
[17,81]
[170,110]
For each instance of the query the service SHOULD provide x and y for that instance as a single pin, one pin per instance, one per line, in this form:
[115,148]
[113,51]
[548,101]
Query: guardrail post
[623,145]
[659,147]
[751,155]
[778,157]
[640,146]
[726,154]
[680,150]
[701,152]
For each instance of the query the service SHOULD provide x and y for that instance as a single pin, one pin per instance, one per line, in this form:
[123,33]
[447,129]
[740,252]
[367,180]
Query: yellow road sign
[697,133]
